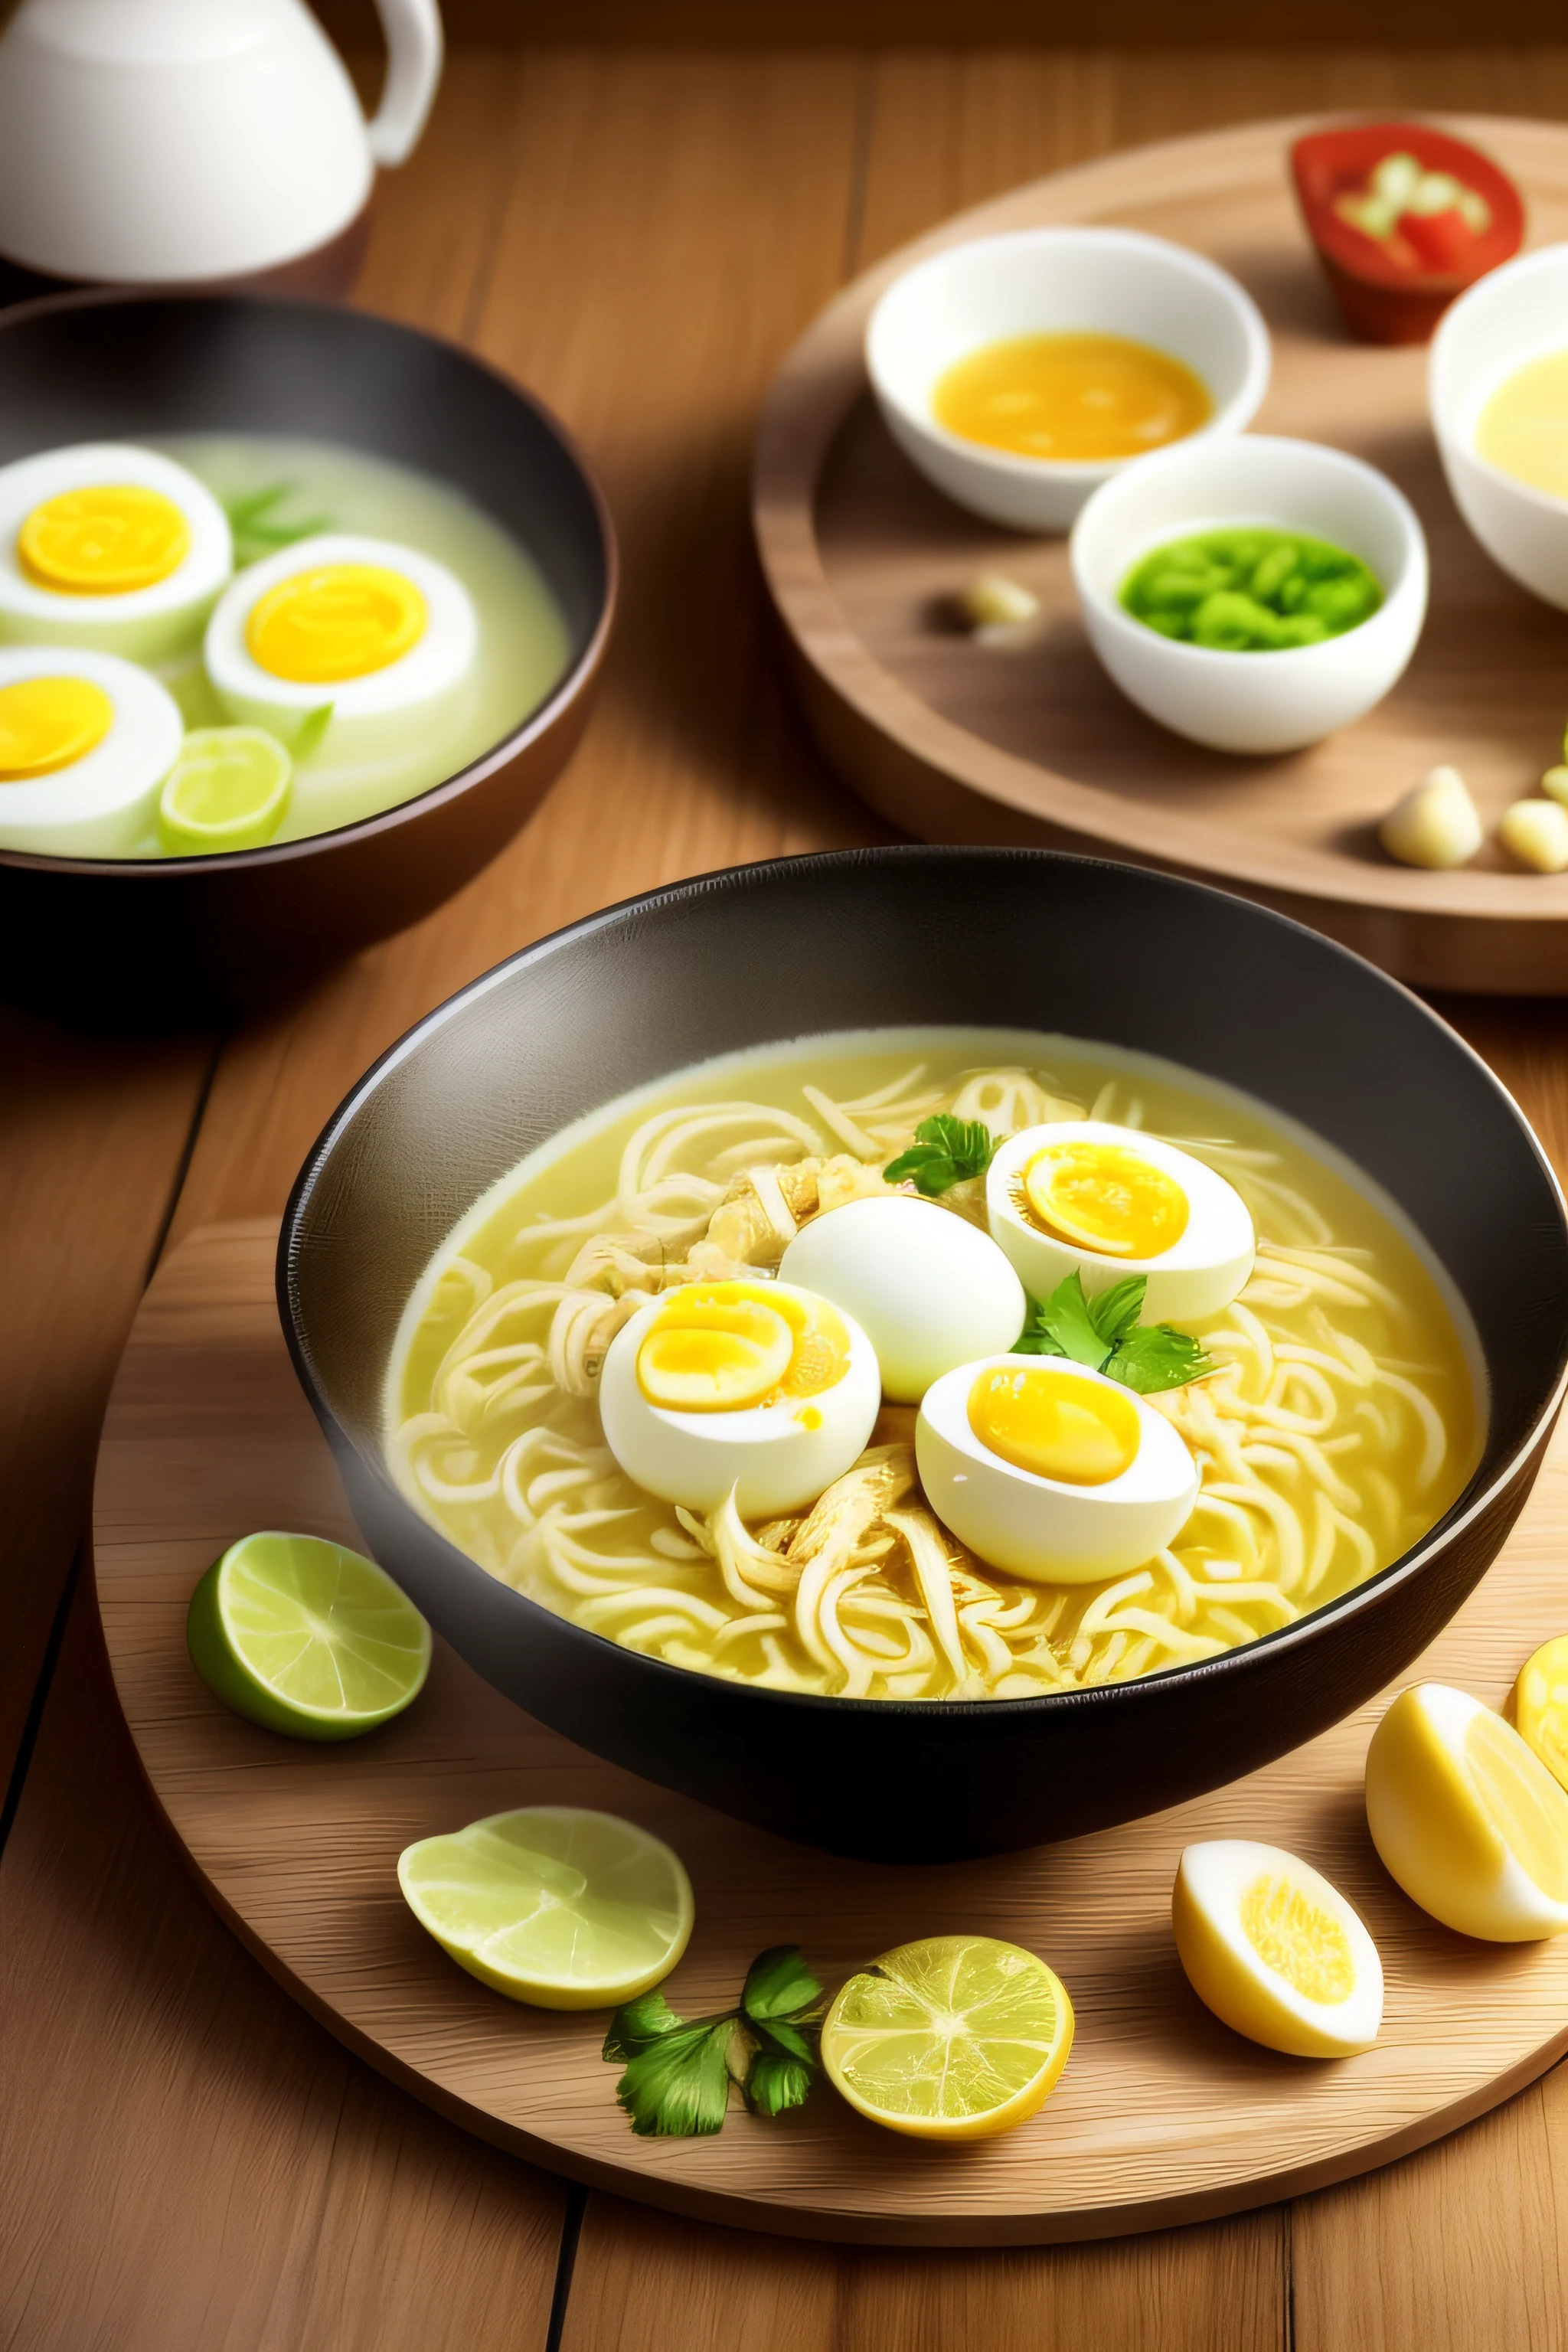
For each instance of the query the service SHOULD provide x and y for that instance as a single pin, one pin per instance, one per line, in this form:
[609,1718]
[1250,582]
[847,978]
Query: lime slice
[562,1908]
[227,789]
[306,1637]
[957,2037]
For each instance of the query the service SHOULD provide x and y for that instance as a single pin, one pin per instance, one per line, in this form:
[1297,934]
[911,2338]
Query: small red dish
[1403,217]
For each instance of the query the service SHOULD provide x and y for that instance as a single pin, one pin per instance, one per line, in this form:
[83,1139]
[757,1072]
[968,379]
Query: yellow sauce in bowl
[1077,398]
[1523,429]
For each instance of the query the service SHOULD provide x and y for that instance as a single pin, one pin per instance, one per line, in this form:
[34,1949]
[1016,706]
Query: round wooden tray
[956,741]
[1161,2116]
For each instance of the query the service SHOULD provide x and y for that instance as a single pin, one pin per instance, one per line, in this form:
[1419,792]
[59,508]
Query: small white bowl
[1516,314]
[1038,281]
[1251,701]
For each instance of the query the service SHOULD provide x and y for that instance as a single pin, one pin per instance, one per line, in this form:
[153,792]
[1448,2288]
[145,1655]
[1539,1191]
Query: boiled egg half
[1107,1201]
[1275,1950]
[358,637]
[86,740]
[1050,1470]
[1467,1817]
[929,1289]
[112,547]
[759,1386]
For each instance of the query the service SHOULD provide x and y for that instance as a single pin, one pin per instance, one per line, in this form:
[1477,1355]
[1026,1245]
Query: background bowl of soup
[932,940]
[1497,391]
[1019,371]
[398,440]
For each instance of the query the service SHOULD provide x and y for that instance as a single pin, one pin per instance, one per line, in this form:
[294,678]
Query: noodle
[1336,1426]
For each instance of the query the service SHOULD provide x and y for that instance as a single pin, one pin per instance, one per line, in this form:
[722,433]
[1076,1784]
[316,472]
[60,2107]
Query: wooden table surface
[190,2163]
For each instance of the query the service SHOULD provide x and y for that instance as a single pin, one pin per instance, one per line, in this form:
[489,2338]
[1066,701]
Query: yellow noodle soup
[1337,1423]
[1073,398]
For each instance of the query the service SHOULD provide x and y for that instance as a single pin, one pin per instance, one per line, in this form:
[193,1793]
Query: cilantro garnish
[1104,1333]
[257,529]
[946,1151]
[677,2077]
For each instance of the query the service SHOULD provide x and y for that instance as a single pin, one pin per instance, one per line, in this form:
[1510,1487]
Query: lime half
[306,1637]
[562,1908]
[227,789]
[957,2037]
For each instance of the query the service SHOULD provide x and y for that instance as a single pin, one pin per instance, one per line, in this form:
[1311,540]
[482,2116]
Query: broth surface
[1340,1424]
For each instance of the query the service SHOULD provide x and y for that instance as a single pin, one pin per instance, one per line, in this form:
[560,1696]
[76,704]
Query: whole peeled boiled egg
[929,1289]
[762,1387]
[1051,1471]
[1108,1201]
[86,741]
[112,547]
[378,635]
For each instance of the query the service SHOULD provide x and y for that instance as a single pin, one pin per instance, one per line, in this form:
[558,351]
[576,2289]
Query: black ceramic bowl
[114,940]
[1020,939]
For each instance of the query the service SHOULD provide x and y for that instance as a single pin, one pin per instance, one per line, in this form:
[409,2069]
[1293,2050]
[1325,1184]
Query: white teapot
[179,142]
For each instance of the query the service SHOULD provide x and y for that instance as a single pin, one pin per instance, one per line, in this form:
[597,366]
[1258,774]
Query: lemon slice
[1467,1818]
[1275,1951]
[957,2037]
[227,789]
[1541,1706]
[306,1637]
[553,1905]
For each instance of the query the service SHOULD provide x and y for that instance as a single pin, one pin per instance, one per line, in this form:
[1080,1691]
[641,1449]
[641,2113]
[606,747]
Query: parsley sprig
[678,2076]
[257,528]
[945,1152]
[1104,1333]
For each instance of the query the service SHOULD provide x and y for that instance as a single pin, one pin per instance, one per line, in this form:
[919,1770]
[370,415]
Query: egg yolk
[1298,1939]
[1526,1804]
[50,723]
[1107,1198]
[1054,1424]
[341,621]
[722,1347]
[103,542]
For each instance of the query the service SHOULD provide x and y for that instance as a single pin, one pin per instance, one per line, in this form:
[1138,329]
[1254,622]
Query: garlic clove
[991,601]
[1536,833]
[1555,784]
[1434,824]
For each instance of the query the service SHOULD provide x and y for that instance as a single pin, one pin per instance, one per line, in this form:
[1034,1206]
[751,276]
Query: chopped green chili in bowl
[1248,588]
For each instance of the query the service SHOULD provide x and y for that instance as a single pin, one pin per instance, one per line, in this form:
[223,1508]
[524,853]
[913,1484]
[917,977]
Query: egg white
[152,625]
[929,1289]
[1047,1530]
[371,715]
[768,1453]
[1437,1846]
[1201,1273]
[1231,1975]
[104,805]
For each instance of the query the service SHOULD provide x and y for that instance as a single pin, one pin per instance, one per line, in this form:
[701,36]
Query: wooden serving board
[957,741]
[1162,2114]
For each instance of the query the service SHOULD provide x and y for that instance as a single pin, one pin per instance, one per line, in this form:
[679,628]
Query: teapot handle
[414,51]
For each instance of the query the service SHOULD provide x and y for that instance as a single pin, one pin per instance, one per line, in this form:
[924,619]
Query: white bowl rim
[1243,402]
[1110,610]
[1520,265]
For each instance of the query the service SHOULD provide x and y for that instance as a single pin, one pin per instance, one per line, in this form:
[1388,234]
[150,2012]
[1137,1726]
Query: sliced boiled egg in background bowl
[763,1388]
[111,547]
[345,641]
[86,741]
[1106,1201]
[930,1290]
[1275,1950]
[1051,1471]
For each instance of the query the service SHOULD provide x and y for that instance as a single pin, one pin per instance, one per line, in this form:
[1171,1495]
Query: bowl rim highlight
[579,672]
[1471,1507]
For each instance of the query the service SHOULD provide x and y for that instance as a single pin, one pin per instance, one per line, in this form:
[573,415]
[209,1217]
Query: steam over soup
[931,1364]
